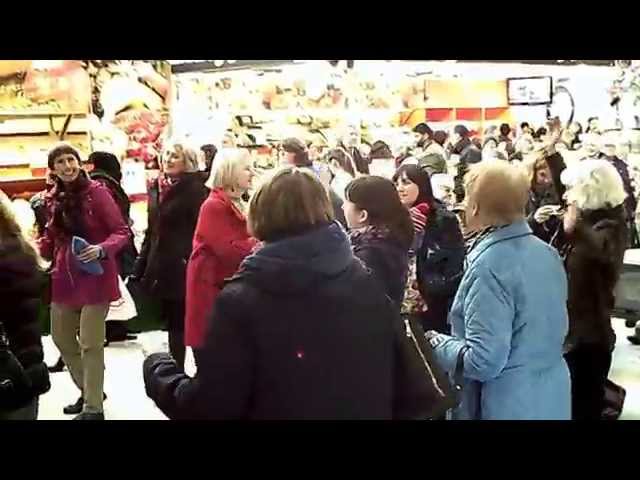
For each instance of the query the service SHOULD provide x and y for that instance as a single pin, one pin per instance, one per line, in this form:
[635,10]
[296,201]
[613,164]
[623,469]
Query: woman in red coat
[220,242]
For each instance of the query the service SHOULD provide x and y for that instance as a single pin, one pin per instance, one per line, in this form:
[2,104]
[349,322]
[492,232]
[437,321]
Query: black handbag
[614,396]
[422,390]
[14,383]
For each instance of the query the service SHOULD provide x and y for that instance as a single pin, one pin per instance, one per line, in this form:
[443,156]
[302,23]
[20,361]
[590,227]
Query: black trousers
[172,313]
[197,356]
[589,366]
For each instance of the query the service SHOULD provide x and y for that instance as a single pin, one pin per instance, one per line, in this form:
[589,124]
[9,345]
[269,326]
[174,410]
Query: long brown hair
[378,196]
[10,230]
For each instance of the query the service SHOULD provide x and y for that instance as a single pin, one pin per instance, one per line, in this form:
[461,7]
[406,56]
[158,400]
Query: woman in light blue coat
[509,318]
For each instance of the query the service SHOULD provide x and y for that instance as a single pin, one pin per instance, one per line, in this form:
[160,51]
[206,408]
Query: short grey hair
[593,184]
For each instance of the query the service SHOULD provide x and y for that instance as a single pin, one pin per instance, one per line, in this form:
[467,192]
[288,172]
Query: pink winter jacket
[105,227]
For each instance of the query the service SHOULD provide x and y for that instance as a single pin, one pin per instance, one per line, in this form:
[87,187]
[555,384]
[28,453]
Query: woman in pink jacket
[220,242]
[80,207]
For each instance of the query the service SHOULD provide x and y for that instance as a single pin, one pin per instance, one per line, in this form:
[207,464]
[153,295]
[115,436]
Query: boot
[74,408]
[58,367]
[77,407]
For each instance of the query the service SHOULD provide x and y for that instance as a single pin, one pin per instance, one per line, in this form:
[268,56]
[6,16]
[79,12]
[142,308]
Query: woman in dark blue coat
[292,335]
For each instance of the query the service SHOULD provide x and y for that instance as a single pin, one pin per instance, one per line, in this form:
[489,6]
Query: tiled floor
[128,401]
[625,371]
[123,382]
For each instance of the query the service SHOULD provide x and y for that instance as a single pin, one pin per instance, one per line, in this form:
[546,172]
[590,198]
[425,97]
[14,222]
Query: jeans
[29,412]
[84,356]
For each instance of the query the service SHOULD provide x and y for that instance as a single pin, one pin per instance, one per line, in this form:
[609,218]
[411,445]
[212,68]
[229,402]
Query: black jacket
[303,331]
[119,195]
[594,260]
[469,154]
[21,288]
[440,259]
[127,256]
[386,258]
[166,249]
[551,231]
[336,203]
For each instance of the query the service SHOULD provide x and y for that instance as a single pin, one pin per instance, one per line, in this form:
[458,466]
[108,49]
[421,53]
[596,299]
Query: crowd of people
[320,291]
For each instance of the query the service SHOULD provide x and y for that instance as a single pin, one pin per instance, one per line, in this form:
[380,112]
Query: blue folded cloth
[77,245]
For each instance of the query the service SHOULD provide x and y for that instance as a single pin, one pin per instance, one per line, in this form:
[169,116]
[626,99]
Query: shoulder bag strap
[425,363]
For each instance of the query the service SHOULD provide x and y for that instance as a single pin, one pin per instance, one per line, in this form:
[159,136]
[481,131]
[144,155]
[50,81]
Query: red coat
[220,243]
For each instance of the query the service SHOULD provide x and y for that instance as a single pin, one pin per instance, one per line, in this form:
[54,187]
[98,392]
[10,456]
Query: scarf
[165,184]
[419,215]
[67,205]
[472,239]
[359,236]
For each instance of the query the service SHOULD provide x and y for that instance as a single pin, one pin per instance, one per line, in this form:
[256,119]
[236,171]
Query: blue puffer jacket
[510,320]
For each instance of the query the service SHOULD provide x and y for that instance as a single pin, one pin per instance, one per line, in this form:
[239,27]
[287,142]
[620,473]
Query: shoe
[58,367]
[634,340]
[90,416]
[77,407]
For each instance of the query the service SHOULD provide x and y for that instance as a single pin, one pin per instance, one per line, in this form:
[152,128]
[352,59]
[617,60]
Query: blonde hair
[533,164]
[226,167]
[290,202]
[188,154]
[499,190]
[593,184]
[10,229]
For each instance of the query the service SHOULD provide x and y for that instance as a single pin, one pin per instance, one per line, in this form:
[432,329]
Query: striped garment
[419,215]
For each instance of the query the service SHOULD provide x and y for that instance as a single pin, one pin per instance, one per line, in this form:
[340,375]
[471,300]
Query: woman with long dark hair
[84,278]
[435,268]
[381,231]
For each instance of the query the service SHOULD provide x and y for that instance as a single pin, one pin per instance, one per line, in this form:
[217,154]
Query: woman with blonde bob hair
[220,241]
[21,287]
[509,317]
[174,203]
[302,331]
[595,238]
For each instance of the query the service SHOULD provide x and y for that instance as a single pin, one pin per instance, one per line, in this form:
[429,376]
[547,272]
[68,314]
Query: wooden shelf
[51,113]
